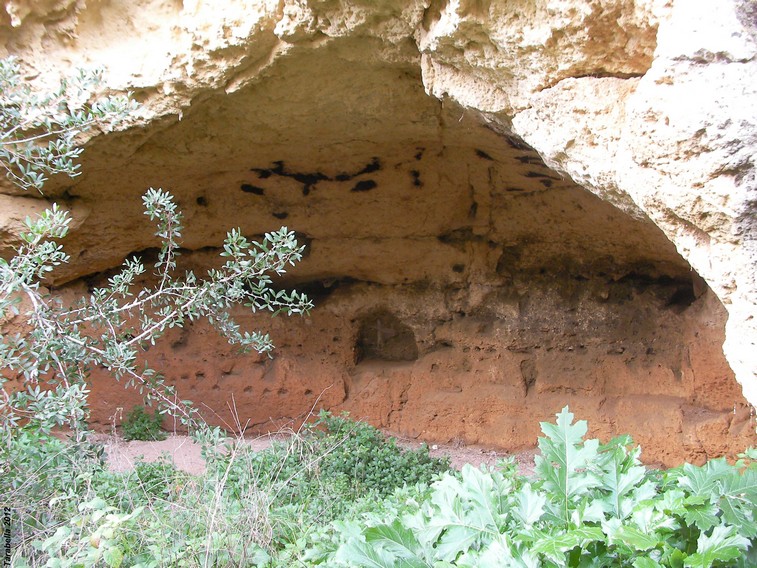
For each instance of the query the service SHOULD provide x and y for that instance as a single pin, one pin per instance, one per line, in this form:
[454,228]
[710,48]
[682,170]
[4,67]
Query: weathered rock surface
[509,206]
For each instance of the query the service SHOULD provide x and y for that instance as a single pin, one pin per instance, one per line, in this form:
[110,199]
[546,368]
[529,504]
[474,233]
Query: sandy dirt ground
[185,453]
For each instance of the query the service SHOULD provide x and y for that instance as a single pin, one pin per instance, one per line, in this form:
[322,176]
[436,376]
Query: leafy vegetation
[296,504]
[259,508]
[39,130]
[331,464]
[141,425]
[589,505]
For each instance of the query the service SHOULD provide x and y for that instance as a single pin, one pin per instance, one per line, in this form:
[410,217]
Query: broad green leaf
[55,542]
[530,506]
[462,512]
[620,475]
[478,487]
[703,481]
[259,556]
[645,493]
[723,545]
[634,538]
[349,529]
[555,546]
[588,510]
[113,557]
[587,534]
[649,519]
[703,516]
[646,562]
[361,554]
[748,559]
[454,540]
[672,557]
[671,502]
[738,501]
[397,540]
[498,553]
[563,461]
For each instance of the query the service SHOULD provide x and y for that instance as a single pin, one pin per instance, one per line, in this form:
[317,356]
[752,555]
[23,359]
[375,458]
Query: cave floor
[122,455]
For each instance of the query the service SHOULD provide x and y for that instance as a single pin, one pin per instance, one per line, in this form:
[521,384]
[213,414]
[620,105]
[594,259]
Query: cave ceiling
[383,182]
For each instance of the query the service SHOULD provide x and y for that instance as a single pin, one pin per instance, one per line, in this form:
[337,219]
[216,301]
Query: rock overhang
[354,151]
[317,116]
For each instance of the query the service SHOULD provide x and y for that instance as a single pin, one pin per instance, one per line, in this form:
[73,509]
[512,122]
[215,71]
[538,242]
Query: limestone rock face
[509,206]
[681,143]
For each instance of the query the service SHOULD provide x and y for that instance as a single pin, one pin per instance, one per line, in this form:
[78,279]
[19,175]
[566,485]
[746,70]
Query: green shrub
[367,460]
[141,425]
[42,481]
[289,493]
[146,483]
[321,473]
[307,502]
[93,536]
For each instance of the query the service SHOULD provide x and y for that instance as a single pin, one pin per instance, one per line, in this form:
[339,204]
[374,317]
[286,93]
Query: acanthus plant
[589,505]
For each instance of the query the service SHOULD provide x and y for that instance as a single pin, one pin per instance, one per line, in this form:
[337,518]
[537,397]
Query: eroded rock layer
[494,214]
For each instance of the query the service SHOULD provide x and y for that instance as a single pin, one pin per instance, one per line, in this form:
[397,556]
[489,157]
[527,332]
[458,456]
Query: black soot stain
[310,180]
[365,185]
[254,189]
